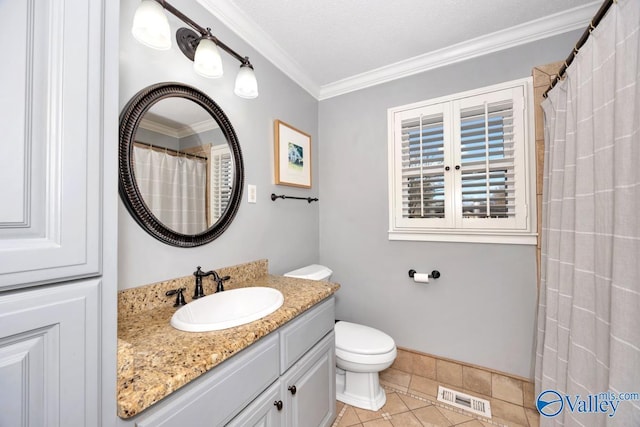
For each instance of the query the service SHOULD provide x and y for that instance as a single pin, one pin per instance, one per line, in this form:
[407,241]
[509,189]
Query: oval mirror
[180,164]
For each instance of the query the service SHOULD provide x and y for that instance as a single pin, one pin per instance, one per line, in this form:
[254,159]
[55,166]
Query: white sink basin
[227,309]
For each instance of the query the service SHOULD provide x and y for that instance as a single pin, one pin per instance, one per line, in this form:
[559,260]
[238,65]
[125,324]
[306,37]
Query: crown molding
[196,128]
[549,26]
[156,127]
[184,131]
[237,21]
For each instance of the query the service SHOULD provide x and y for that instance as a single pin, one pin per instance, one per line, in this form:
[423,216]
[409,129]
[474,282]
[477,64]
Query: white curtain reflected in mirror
[173,185]
[183,165]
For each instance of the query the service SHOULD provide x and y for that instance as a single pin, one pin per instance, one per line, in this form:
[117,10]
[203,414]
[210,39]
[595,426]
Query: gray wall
[157,139]
[285,232]
[482,309]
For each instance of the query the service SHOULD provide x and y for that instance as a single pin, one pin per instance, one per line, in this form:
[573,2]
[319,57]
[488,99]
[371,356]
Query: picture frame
[292,156]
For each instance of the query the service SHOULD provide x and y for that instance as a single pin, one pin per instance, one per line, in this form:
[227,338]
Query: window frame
[454,227]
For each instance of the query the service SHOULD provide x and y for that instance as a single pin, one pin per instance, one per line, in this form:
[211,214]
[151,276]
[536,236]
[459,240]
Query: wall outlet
[251,193]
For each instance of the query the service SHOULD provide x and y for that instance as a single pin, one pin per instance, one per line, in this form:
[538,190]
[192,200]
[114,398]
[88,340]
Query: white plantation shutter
[490,136]
[423,167]
[422,156]
[458,167]
[221,180]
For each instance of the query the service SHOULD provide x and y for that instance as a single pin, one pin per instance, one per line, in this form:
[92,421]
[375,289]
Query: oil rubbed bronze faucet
[199,292]
[219,280]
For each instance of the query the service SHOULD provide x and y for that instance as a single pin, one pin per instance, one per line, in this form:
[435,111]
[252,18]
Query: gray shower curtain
[588,339]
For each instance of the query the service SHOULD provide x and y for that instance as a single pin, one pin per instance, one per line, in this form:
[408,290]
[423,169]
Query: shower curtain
[588,340]
[173,188]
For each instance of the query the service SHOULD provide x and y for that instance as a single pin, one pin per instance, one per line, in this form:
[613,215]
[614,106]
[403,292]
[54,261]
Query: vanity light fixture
[151,28]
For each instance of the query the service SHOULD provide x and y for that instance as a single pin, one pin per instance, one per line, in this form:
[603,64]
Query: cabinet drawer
[304,332]
[223,393]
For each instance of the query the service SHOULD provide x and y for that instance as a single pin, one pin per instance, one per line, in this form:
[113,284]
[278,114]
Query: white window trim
[526,235]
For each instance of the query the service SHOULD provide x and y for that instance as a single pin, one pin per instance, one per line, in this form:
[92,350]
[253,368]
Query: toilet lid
[355,338]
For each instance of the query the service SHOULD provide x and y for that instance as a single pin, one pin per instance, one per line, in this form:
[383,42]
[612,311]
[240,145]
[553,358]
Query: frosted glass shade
[151,26]
[207,61]
[246,83]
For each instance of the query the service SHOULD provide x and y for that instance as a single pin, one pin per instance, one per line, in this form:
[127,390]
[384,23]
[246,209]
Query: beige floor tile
[405,419]
[449,372]
[349,418]
[366,415]
[476,380]
[533,416]
[395,376]
[474,423]
[454,417]
[416,408]
[509,412]
[413,403]
[394,405]
[339,406]
[377,423]
[507,423]
[424,365]
[431,417]
[506,388]
[390,386]
[423,387]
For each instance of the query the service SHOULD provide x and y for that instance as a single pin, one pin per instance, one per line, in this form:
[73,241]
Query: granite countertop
[154,359]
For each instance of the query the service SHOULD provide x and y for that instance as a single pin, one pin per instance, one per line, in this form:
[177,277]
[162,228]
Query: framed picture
[292,155]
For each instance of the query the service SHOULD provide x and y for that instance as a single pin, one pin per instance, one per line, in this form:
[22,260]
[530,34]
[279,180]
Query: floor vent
[464,401]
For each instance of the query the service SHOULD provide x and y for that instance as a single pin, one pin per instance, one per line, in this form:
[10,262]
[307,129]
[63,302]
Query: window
[460,167]
[221,180]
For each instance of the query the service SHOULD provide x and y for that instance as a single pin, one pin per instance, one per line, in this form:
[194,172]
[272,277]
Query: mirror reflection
[183,165]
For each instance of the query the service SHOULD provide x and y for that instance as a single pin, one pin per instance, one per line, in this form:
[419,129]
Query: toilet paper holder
[434,274]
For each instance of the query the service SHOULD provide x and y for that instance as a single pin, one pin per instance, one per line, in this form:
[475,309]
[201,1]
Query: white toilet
[361,353]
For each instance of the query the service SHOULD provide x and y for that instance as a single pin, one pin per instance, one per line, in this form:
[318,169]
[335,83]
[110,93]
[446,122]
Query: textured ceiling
[333,40]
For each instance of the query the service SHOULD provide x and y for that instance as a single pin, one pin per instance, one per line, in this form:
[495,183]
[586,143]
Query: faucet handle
[219,280]
[179,297]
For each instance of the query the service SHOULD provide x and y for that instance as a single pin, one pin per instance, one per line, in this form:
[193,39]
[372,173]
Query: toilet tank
[311,272]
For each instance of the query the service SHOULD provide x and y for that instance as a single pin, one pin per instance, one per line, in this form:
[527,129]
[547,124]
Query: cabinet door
[51,112]
[262,412]
[215,398]
[309,387]
[49,372]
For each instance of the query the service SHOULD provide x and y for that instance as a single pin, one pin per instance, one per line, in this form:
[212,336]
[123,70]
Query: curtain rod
[170,150]
[592,25]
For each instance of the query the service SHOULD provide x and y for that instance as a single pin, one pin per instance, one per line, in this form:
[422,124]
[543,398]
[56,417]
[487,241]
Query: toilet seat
[364,345]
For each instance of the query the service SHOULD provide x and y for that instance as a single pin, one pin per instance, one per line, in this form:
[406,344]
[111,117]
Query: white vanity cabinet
[49,356]
[304,396]
[309,387]
[254,387]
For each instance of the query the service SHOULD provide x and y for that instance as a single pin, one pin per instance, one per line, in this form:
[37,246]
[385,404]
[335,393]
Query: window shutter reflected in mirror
[221,180]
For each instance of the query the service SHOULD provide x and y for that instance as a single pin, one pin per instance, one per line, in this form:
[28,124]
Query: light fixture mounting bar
[204,32]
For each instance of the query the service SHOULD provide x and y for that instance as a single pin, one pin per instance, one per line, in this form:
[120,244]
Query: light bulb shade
[151,26]
[246,83]
[207,61]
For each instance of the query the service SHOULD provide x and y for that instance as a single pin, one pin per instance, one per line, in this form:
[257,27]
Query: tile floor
[413,403]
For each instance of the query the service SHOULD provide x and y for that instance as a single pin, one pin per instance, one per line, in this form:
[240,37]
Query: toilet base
[360,389]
